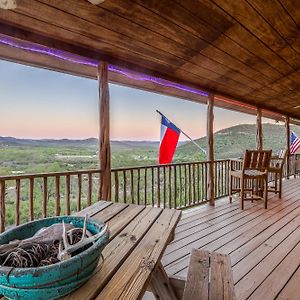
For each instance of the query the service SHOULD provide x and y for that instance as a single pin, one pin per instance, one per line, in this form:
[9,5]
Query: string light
[129,74]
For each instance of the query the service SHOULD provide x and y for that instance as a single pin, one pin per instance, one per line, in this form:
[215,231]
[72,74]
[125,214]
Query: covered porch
[210,52]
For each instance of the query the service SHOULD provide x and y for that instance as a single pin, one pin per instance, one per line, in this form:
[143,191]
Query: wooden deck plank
[228,237]
[260,230]
[182,265]
[254,257]
[183,228]
[263,244]
[271,286]
[199,212]
[225,208]
[184,246]
[292,288]
[247,247]
[214,232]
[234,207]
[248,284]
[197,235]
[282,208]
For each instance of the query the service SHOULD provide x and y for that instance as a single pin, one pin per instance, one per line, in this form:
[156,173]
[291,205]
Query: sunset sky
[37,103]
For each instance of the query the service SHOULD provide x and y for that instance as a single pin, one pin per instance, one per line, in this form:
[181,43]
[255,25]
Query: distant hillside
[232,142]
[229,143]
[15,142]
[91,142]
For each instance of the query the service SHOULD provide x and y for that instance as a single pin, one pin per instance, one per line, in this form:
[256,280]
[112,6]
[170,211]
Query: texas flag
[168,140]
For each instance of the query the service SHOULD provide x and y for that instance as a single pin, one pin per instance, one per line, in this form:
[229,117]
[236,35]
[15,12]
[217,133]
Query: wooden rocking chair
[276,168]
[253,177]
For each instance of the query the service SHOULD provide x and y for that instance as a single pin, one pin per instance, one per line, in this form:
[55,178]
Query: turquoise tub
[54,281]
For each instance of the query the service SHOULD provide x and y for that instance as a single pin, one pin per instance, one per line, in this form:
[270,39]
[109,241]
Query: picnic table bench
[209,277]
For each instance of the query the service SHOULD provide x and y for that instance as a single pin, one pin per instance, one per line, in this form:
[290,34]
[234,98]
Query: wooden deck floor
[264,245]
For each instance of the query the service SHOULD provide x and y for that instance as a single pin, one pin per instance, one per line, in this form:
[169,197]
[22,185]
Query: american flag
[294,143]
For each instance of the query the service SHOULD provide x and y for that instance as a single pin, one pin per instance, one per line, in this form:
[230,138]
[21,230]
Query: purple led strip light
[89,62]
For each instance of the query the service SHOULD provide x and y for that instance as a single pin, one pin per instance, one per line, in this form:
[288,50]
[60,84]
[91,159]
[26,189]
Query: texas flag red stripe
[168,141]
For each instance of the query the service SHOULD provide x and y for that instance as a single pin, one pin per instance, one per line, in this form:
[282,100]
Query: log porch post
[210,148]
[104,133]
[259,134]
[288,133]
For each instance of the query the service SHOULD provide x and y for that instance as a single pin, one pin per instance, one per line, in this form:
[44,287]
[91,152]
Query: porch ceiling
[245,50]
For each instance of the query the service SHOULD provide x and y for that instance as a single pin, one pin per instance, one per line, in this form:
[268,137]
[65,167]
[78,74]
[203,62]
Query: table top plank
[94,209]
[120,221]
[109,212]
[116,252]
[130,281]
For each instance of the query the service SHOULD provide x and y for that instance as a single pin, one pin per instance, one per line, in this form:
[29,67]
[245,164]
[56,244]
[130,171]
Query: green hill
[232,142]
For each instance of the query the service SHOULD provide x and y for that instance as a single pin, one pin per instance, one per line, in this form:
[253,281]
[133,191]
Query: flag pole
[198,146]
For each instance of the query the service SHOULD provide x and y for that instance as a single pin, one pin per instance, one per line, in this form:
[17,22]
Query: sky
[37,103]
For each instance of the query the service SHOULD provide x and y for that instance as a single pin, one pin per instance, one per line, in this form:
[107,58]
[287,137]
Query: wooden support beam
[288,134]
[104,133]
[210,149]
[259,133]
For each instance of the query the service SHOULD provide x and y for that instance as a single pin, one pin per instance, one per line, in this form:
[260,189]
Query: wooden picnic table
[138,238]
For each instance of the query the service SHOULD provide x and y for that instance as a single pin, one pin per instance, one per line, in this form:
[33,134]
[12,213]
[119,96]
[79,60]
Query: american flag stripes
[294,143]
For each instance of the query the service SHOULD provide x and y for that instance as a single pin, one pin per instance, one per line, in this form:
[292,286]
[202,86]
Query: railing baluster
[57,192]
[2,205]
[31,193]
[45,196]
[180,185]
[18,188]
[68,195]
[185,185]
[203,197]
[124,186]
[175,186]
[79,193]
[90,189]
[138,186]
[152,186]
[198,182]
[205,180]
[165,188]
[132,186]
[190,185]
[145,184]
[216,180]
[170,186]
[158,186]
[116,187]
[194,184]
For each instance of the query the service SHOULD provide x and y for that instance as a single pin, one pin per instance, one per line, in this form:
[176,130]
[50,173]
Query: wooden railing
[27,197]
[173,186]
